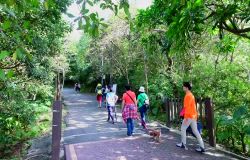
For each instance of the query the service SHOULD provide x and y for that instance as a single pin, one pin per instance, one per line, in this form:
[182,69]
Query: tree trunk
[102,73]
[34,97]
[169,71]
[243,144]
[111,67]
[127,77]
[63,78]
[145,70]
[249,75]
[216,62]
[232,57]
[233,142]
[58,94]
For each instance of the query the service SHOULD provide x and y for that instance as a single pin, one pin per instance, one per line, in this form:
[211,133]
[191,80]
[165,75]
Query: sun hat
[141,89]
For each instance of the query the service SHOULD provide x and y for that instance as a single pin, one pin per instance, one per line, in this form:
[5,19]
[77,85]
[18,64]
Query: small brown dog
[156,134]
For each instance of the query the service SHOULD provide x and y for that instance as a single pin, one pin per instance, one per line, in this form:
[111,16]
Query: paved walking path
[88,136]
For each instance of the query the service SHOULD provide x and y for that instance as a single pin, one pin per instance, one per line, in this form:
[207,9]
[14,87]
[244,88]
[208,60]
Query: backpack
[146,102]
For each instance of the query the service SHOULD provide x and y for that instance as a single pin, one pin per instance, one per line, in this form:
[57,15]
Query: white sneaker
[201,150]
[181,145]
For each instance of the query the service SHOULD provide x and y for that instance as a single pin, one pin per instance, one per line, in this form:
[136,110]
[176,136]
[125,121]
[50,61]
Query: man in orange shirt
[190,118]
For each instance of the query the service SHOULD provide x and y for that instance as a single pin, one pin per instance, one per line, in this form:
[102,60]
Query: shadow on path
[88,136]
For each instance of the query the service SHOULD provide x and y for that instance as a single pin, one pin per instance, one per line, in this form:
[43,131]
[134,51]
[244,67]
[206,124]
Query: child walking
[111,99]
[98,91]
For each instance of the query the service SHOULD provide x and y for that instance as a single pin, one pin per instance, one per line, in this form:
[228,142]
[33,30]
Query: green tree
[31,33]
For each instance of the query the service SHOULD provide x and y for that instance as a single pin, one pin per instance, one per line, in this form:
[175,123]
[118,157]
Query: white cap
[141,89]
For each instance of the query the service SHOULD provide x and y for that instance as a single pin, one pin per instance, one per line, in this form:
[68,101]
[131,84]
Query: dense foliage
[31,33]
[205,42]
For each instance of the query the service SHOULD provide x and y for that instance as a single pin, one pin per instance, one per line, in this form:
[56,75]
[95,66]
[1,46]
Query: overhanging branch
[10,67]
[240,32]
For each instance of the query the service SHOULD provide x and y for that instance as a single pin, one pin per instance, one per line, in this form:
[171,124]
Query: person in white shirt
[111,99]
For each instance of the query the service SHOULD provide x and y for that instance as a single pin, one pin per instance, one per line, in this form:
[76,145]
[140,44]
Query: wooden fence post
[166,104]
[210,121]
[57,121]
[56,129]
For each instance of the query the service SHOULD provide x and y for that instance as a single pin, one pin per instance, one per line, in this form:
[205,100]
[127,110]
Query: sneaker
[181,145]
[200,149]
[144,127]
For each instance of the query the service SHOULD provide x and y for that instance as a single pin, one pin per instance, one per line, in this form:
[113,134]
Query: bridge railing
[205,110]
